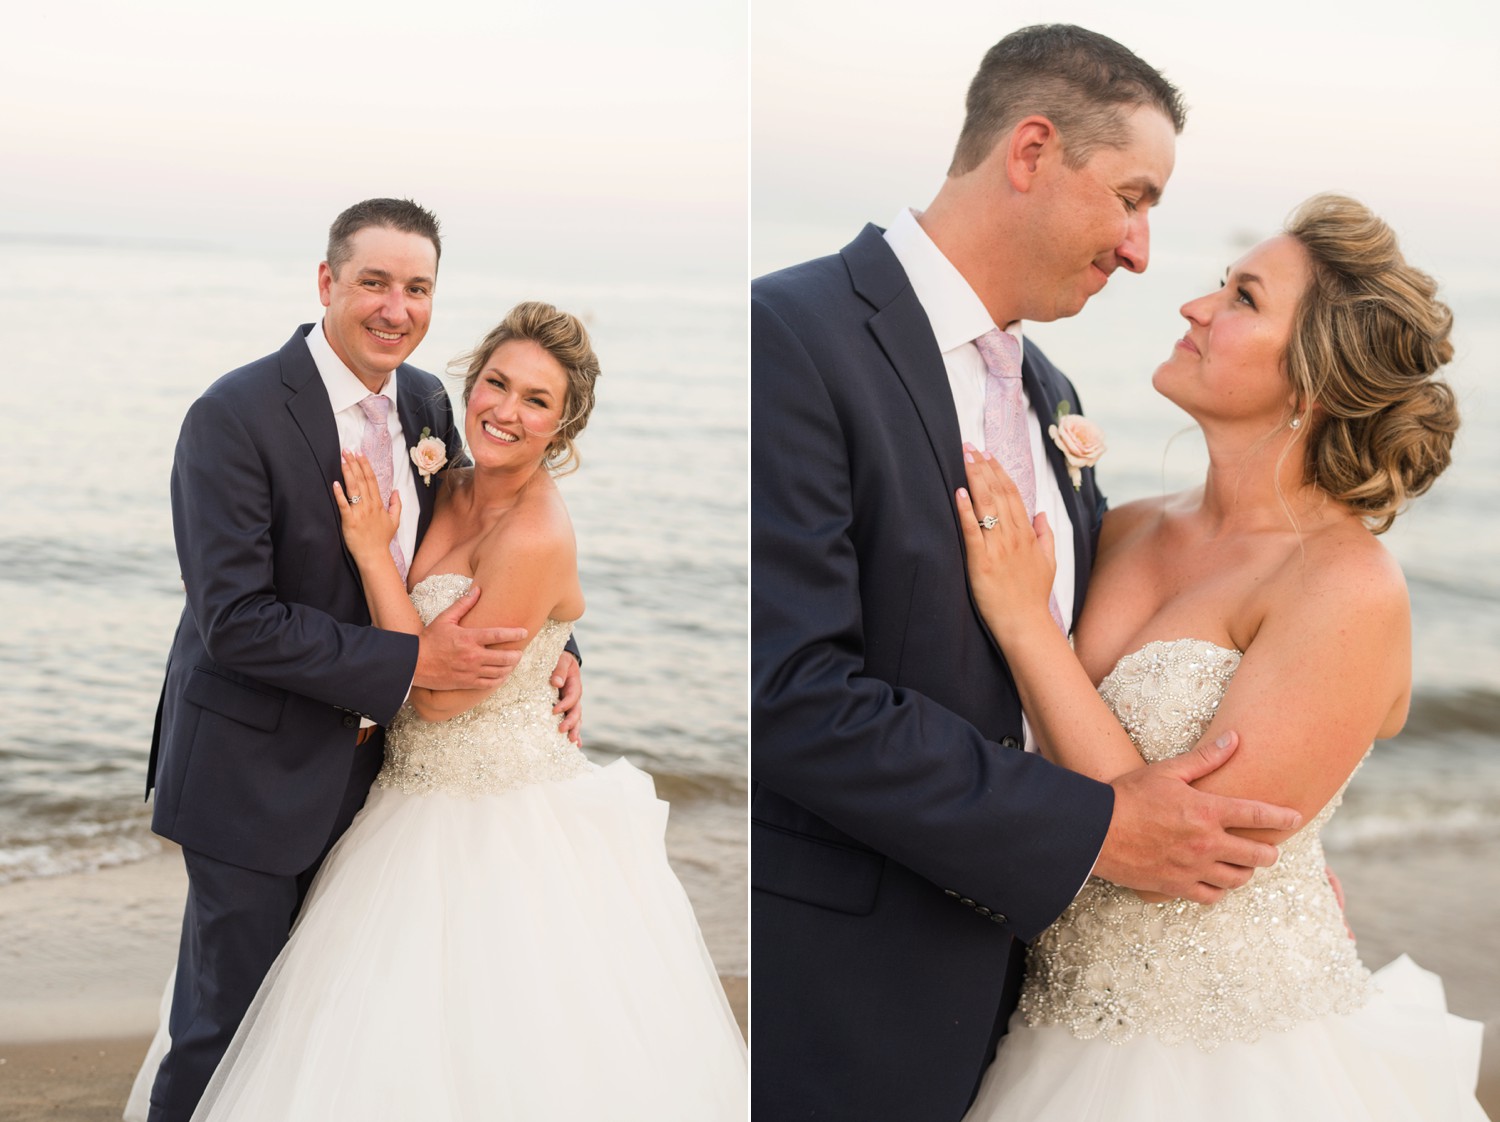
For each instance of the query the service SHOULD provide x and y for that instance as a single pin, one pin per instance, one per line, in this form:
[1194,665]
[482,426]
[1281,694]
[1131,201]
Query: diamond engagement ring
[353,500]
[988,522]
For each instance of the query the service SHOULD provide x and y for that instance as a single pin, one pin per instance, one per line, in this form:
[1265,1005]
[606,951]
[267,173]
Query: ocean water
[111,343]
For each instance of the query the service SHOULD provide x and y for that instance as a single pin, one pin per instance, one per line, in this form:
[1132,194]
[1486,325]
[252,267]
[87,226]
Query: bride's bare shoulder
[456,479]
[537,526]
[1348,563]
[1134,519]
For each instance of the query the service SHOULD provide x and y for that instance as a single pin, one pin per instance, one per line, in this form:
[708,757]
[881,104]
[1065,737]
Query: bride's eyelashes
[536,401]
[1243,295]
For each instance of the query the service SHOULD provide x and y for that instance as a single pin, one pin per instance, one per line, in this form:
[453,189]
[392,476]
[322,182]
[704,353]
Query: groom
[269,729]
[904,847]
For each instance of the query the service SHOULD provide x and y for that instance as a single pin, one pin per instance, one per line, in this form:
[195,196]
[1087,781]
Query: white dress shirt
[958,317]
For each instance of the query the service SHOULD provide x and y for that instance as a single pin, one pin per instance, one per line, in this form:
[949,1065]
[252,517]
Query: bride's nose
[509,406]
[1198,311]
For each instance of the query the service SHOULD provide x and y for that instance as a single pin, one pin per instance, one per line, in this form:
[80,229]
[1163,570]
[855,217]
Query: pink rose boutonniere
[1081,441]
[429,454]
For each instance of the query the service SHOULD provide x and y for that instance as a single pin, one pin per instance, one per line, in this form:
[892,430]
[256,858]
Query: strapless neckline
[1155,645]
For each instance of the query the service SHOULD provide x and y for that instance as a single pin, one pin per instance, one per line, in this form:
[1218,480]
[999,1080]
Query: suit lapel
[1045,400]
[904,333]
[901,327]
[415,416]
[310,408]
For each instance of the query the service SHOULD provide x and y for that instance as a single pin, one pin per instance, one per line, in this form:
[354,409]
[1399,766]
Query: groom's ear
[325,282]
[1031,139]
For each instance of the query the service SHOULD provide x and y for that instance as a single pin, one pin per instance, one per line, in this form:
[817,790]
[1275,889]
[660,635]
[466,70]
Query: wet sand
[1441,905]
[76,1080]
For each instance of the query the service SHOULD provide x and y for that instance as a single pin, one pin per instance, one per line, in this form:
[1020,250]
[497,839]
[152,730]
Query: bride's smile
[515,408]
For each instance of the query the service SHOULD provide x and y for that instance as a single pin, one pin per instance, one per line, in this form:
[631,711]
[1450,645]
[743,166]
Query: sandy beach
[82,961]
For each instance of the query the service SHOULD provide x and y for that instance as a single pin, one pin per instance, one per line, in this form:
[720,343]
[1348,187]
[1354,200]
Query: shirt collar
[954,309]
[345,390]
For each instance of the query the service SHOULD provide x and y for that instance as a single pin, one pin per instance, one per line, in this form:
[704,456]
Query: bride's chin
[504,466]
[1167,382]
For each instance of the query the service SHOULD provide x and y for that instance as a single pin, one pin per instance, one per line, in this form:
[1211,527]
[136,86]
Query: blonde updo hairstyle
[562,336]
[1367,341]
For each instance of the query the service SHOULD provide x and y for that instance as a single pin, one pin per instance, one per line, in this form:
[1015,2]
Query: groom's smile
[379,301]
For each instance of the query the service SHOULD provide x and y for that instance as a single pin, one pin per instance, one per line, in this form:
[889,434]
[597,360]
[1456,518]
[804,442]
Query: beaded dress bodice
[1266,957]
[508,740]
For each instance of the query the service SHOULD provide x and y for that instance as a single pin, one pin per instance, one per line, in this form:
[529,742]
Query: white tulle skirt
[527,956]
[1402,1057]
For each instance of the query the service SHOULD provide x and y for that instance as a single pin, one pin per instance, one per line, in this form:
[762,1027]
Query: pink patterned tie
[377,446]
[1007,434]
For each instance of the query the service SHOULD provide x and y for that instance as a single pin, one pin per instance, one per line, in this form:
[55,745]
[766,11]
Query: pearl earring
[1296,422]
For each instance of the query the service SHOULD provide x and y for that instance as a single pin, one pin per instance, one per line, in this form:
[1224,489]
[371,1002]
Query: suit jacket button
[982,910]
[998,918]
[351,721]
[966,902]
[950,892]
[1010,742]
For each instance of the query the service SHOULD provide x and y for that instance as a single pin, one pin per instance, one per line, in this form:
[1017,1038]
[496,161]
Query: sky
[563,134]
[591,135]
[856,104]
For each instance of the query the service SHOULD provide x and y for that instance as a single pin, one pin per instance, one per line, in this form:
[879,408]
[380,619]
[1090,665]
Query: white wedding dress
[498,936]
[1251,1009]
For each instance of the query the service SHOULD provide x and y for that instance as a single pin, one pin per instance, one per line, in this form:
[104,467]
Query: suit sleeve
[222,521]
[884,764]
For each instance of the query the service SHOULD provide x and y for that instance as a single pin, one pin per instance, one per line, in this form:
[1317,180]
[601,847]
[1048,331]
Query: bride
[1259,602]
[498,935]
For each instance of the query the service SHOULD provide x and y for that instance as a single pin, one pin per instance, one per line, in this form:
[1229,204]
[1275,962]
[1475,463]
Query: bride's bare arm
[1165,837]
[453,652]
[368,530]
[1011,567]
[530,564]
[1328,671]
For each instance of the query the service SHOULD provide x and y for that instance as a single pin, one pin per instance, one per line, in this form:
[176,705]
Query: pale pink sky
[586,124]
[856,103]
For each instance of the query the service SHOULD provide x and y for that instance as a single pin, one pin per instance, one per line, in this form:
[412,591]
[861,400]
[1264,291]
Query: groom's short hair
[1081,81]
[396,214]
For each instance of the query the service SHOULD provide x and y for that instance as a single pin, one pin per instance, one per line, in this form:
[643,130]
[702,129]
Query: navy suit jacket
[901,841]
[274,660]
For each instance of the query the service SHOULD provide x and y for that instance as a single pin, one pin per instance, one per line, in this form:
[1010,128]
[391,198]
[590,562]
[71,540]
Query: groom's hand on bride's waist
[567,679]
[453,657]
[1168,840]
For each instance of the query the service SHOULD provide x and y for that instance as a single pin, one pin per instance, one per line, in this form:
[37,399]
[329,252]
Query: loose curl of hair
[562,336]
[1367,340]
